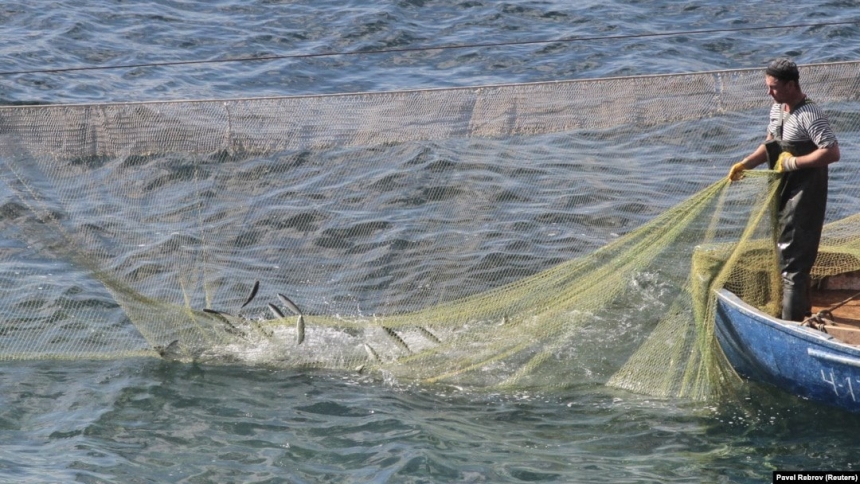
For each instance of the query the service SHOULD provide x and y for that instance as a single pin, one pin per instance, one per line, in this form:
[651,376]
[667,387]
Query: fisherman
[800,144]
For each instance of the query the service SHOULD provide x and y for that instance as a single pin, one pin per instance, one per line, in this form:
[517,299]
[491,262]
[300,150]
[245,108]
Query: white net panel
[529,235]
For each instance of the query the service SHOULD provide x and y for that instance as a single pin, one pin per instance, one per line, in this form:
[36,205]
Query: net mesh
[530,235]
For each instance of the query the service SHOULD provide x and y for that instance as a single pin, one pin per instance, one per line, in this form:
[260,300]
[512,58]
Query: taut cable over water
[465,236]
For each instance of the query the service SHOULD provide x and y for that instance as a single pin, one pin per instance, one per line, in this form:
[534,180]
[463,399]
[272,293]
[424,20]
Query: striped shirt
[806,123]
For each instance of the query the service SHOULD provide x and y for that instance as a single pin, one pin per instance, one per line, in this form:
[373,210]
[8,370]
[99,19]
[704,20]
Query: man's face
[780,91]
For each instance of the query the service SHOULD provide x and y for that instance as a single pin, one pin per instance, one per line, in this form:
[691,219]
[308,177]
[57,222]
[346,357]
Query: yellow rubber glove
[737,171]
[785,162]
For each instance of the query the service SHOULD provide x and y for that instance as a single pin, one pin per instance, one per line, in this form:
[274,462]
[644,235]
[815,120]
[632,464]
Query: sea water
[145,420]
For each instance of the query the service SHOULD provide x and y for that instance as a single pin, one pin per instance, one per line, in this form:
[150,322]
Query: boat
[818,359]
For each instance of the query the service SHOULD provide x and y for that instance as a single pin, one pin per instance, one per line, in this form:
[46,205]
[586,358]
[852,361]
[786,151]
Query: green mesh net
[519,236]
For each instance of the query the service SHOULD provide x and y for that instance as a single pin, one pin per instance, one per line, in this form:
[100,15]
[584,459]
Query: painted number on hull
[837,384]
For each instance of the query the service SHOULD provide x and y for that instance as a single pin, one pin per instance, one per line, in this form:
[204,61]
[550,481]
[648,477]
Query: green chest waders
[800,217]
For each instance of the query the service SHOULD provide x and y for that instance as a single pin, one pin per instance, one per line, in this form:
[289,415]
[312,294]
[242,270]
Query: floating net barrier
[516,236]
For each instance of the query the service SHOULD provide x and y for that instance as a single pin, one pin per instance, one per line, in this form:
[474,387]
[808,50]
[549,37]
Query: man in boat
[800,144]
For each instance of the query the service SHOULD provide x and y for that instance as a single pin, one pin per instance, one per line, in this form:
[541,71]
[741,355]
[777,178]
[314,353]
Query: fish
[370,353]
[300,330]
[253,293]
[300,323]
[222,316]
[235,331]
[291,305]
[169,352]
[277,312]
[427,334]
[396,339]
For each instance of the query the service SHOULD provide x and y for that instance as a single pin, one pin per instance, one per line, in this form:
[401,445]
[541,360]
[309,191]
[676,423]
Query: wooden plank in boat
[848,313]
[844,333]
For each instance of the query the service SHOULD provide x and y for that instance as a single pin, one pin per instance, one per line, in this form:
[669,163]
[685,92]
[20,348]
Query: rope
[839,305]
[820,319]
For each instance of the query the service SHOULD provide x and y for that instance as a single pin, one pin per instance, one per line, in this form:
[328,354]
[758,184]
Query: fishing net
[516,236]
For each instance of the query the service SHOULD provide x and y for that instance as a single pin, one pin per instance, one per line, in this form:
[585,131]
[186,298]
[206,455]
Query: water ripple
[145,421]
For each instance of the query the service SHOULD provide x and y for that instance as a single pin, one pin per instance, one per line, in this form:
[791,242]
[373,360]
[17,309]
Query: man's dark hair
[783,69]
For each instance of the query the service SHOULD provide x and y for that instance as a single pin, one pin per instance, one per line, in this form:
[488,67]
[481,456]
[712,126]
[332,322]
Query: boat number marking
[836,386]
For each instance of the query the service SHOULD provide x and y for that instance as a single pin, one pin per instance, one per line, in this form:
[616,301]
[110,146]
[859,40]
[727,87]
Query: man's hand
[785,162]
[737,171]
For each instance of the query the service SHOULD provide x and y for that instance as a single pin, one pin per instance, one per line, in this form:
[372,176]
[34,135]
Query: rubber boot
[796,305]
[803,204]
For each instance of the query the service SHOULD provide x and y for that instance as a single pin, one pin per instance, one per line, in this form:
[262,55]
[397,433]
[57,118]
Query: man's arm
[758,156]
[755,159]
[819,157]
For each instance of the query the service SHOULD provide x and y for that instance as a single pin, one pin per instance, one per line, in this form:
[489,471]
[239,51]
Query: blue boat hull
[797,359]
